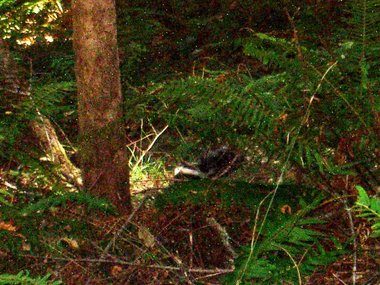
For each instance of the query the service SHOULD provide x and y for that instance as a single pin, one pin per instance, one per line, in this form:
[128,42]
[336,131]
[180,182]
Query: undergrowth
[304,108]
[369,208]
[49,225]
[290,245]
[24,279]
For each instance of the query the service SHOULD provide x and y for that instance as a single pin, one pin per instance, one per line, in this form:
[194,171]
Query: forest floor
[177,244]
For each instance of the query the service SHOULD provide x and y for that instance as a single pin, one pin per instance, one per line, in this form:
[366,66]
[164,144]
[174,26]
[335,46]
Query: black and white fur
[212,164]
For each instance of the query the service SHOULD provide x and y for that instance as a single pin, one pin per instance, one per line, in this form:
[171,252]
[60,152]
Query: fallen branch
[224,237]
[152,266]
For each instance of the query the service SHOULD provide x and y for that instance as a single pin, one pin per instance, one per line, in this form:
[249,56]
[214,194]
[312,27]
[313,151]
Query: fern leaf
[368,208]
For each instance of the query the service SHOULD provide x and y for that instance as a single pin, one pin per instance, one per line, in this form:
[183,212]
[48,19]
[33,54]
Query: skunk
[212,164]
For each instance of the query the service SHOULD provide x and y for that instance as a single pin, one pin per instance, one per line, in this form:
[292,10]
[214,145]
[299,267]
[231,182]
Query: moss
[232,193]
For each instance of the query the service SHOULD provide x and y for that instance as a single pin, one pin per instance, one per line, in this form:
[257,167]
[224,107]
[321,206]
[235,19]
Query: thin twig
[153,266]
[118,233]
[210,275]
[343,97]
[354,254]
[253,239]
[339,279]
[294,262]
[139,140]
[295,36]
[223,236]
[150,146]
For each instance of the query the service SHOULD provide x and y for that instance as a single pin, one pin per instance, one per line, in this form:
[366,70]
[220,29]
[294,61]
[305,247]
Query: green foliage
[54,100]
[206,112]
[12,126]
[368,208]
[44,224]
[48,96]
[364,22]
[144,171]
[23,278]
[308,101]
[287,251]
[274,265]
[45,204]
[138,28]
[307,104]
[162,40]
[27,22]
[272,51]
[4,194]
[227,193]
[284,239]
[62,67]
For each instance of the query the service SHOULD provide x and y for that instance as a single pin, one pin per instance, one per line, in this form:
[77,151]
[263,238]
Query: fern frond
[3,195]
[23,278]
[272,51]
[60,200]
[368,208]
[293,236]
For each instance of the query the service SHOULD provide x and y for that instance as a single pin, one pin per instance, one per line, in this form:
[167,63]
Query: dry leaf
[145,235]
[286,209]
[7,227]
[73,244]
[68,228]
[25,246]
[116,270]
[283,117]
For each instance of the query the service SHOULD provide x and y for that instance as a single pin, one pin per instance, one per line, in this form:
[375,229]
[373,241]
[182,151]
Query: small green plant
[47,203]
[145,171]
[4,194]
[368,208]
[23,278]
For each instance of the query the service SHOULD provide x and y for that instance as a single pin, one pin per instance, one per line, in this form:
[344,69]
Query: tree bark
[104,157]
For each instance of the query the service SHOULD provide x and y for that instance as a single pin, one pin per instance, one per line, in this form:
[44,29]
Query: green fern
[364,34]
[283,237]
[52,99]
[206,111]
[60,200]
[4,194]
[343,106]
[288,251]
[206,192]
[281,53]
[368,208]
[23,278]
[276,267]
[274,111]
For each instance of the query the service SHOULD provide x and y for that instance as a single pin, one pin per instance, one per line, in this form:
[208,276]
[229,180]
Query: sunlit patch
[49,38]
[28,41]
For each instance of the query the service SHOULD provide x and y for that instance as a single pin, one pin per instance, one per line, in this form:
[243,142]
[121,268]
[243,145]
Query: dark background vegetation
[293,86]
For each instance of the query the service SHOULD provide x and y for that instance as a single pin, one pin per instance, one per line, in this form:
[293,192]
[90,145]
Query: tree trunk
[104,158]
